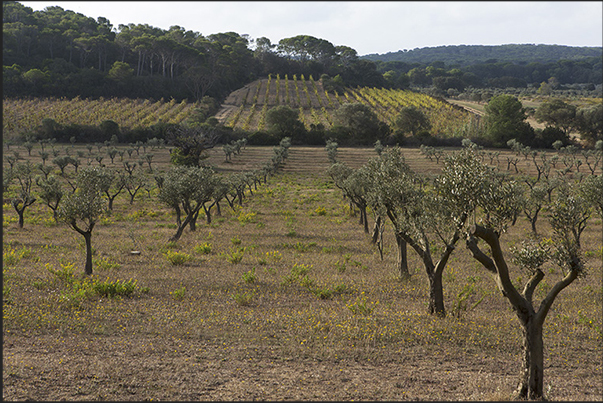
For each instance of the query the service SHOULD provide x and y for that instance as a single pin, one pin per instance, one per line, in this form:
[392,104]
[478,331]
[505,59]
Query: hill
[464,55]
[246,108]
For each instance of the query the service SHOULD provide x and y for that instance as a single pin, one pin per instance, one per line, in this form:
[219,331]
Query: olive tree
[186,190]
[499,200]
[51,193]
[83,208]
[23,173]
[354,183]
[133,182]
[112,183]
[592,191]
[423,216]
[220,192]
[62,162]
[190,144]
[392,187]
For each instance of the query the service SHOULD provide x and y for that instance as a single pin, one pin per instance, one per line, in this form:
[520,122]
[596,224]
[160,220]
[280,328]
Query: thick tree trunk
[436,295]
[207,213]
[178,233]
[533,224]
[376,230]
[364,220]
[88,239]
[21,220]
[181,227]
[193,221]
[402,263]
[532,366]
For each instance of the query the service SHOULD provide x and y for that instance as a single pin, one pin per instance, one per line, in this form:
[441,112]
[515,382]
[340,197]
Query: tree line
[464,55]
[517,66]
[61,53]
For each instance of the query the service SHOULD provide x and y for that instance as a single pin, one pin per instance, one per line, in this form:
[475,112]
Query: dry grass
[310,312]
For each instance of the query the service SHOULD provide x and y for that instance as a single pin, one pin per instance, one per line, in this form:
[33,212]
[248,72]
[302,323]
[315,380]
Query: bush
[203,249]
[545,138]
[177,258]
[115,288]
[262,138]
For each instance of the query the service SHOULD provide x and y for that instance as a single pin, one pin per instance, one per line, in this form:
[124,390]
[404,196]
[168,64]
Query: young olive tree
[393,186]
[51,192]
[82,209]
[207,196]
[499,200]
[185,189]
[23,173]
[424,216]
[592,191]
[354,183]
[220,192]
[133,183]
[112,183]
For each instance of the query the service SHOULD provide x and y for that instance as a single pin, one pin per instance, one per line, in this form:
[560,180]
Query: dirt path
[225,112]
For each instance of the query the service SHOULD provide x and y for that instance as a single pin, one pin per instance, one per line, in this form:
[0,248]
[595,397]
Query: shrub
[244,299]
[178,294]
[249,277]
[177,258]
[235,256]
[104,263]
[203,249]
[115,288]
[361,306]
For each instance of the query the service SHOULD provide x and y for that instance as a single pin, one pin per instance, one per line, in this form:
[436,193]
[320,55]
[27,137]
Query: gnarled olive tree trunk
[402,260]
[532,371]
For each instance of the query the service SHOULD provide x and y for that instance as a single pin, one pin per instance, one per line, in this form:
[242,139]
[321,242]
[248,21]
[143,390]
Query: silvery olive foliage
[531,254]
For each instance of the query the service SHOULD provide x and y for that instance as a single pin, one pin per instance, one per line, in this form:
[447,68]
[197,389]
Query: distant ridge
[464,55]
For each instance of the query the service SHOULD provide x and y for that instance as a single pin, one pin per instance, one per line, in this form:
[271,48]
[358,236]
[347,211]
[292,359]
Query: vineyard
[22,115]
[246,108]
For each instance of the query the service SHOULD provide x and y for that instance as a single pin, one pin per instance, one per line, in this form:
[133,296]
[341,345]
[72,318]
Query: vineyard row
[248,108]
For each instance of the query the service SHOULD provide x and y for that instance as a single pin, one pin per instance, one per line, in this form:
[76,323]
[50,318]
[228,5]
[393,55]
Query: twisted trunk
[88,238]
[402,262]
[532,362]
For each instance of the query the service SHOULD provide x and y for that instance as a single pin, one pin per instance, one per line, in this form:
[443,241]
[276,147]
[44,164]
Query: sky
[366,26]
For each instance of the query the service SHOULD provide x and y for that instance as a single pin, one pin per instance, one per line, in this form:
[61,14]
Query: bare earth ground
[53,367]
[167,353]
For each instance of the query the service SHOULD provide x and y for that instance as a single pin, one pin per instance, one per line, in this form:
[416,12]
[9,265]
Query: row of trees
[186,188]
[505,120]
[474,202]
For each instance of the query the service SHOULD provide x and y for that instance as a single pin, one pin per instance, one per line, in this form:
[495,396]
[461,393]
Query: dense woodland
[61,53]
[464,55]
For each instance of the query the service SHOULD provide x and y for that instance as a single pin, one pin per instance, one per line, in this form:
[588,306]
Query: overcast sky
[367,27]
